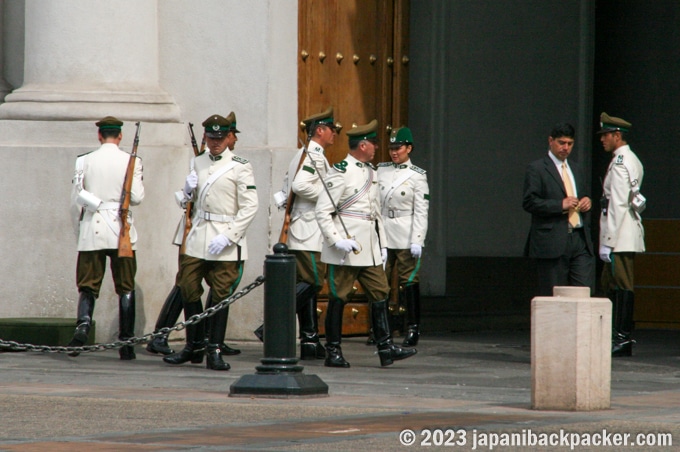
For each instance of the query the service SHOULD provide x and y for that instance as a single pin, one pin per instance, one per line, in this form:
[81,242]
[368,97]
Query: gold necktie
[573,214]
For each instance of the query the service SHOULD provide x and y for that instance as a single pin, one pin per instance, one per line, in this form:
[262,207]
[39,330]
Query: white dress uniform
[405,200]
[304,233]
[353,185]
[102,173]
[226,205]
[621,229]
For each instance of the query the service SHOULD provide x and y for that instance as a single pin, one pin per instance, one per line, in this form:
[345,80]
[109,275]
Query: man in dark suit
[555,195]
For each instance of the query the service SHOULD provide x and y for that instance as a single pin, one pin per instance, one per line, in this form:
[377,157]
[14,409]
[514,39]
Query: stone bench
[41,330]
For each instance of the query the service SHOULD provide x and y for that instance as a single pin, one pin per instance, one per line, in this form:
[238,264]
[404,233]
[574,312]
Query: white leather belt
[209,216]
[109,206]
[398,213]
[359,215]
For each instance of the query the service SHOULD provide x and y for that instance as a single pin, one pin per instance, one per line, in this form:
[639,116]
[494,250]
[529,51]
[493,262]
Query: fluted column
[86,59]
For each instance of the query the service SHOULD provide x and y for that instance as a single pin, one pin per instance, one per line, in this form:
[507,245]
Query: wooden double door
[353,56]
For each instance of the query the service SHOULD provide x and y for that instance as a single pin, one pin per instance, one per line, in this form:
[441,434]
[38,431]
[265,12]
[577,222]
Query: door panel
[353,55]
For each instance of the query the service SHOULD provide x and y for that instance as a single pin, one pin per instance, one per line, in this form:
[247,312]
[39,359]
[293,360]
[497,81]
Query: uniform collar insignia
[215,158]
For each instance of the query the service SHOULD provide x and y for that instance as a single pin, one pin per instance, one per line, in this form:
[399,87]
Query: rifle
[283,236]
[189,206]
[124,244]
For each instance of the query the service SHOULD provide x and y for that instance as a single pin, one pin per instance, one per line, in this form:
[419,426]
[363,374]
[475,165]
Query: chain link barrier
[16,346]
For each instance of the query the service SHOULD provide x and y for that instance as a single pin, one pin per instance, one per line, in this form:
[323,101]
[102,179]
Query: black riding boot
[387,351]
[370,340]
[217,325]
[126,324]
[334,356]
[412,297]
[172,308]
[195,347]
[305,306]
[226,350]
[84,320]
[622,320]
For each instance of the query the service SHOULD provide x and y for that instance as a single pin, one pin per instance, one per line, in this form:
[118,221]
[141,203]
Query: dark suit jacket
[543,194]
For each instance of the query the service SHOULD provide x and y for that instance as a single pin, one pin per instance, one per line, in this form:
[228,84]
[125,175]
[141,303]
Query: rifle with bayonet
[124,243]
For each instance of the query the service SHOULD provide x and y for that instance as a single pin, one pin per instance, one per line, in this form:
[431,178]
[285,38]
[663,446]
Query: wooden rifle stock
[189,206]
[124,243]
[283,236]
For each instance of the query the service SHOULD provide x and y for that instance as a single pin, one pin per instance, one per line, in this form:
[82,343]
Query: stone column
[4,86]
[85,59]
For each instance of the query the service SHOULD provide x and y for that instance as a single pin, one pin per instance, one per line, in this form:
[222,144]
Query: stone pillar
[571,351]
[85,59]
[4,86]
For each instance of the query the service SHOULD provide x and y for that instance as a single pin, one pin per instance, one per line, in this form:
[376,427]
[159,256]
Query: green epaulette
[418,170]
[309,169]
[341,166]
[382,164]
[236,158]
[619,159]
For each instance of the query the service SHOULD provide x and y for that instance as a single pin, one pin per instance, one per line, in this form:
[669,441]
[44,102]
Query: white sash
[204,191]
[393,187]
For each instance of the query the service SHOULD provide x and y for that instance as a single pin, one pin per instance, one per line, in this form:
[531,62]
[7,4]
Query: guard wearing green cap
[222,188]
[405,200]
[97,187]
[348,214]
[216,126]
[621,231]
[302,184]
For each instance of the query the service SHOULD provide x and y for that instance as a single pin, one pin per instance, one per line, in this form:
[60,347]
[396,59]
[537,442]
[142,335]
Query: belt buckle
[206,216]
[390,214]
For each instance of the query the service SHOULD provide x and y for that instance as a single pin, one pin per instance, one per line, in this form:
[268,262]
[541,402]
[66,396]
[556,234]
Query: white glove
[218,243]
[416,250]
[605,252]
[383,254]
[346,245]
[191,183]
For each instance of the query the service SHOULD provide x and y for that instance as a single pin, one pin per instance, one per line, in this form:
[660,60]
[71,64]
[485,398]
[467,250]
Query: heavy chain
[16,346]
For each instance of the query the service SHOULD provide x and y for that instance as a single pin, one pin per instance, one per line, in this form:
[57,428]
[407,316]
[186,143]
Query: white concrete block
[570,351]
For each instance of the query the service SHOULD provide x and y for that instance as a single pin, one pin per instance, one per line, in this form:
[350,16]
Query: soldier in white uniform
[222,187]
[405,200]
[354,245]
[304,237]
[97,188]
[172,307]
[621,231]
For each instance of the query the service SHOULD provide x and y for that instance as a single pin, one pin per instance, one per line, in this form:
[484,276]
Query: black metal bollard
[279,375]
[279,312]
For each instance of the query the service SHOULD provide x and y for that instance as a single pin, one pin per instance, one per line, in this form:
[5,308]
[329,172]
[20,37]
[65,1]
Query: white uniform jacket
[405,200]
[102,173]
[223,205]
[621,229]
[304,233]
[353,186]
